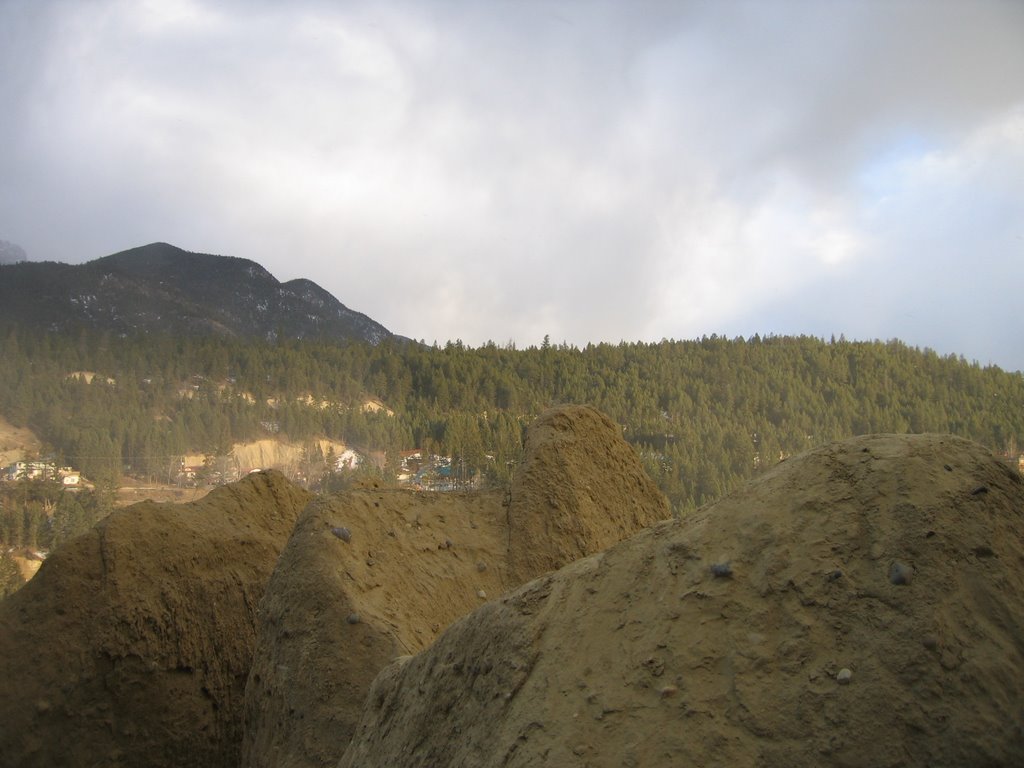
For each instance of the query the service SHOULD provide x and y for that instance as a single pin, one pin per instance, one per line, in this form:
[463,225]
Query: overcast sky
[504,170]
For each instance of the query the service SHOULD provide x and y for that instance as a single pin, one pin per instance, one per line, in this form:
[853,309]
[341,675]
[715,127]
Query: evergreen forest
[704,415]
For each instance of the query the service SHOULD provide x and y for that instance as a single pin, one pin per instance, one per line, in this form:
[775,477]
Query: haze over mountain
[11,253]
[160,287]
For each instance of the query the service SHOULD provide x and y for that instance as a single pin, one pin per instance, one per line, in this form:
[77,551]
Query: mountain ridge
[162,288]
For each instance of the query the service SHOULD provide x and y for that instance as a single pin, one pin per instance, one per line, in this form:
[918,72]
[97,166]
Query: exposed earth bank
[862,604]
[135,642]
[132,644]
[373,574]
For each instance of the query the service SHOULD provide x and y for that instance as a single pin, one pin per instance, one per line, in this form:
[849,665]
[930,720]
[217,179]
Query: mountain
[160,287]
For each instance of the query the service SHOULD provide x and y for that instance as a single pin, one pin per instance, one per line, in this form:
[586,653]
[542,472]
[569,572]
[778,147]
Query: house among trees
[30,470]
[42,470]
[188,474]
[69,478]
[411,461]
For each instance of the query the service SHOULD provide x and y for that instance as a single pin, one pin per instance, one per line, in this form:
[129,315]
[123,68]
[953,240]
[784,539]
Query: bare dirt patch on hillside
[862,604]
[275,454]
[28,566]
[15,442]
[88,376]
[132,491]
[248,457]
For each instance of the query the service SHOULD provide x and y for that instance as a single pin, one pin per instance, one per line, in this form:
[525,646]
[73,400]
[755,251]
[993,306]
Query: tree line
[704,415]
[41,515]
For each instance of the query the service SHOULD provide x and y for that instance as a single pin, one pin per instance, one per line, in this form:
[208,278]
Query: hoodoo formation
[132,644]
[859,605]
[374,574]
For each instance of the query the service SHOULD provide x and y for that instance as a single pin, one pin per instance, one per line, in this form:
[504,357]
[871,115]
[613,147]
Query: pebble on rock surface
[481,594]
[900,573]
[844,675]
[342,533]
[352,618]
[721,570]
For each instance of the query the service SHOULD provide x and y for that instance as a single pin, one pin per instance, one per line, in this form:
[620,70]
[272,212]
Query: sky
[504,170]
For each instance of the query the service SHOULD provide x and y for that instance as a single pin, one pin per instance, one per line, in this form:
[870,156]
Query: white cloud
[593,171]
[945,255]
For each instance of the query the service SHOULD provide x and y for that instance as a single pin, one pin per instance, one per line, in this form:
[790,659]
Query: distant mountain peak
[162,288]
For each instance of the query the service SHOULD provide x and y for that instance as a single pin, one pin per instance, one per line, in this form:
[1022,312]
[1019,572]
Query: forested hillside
[704,414]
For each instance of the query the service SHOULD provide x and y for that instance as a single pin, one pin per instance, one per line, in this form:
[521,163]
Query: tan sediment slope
[344,603]
[264,454]
[15,442]
[581,487]
[132,644]
[899,559]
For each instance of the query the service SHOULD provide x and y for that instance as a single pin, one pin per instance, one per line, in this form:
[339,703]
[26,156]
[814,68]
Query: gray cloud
[595,171]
